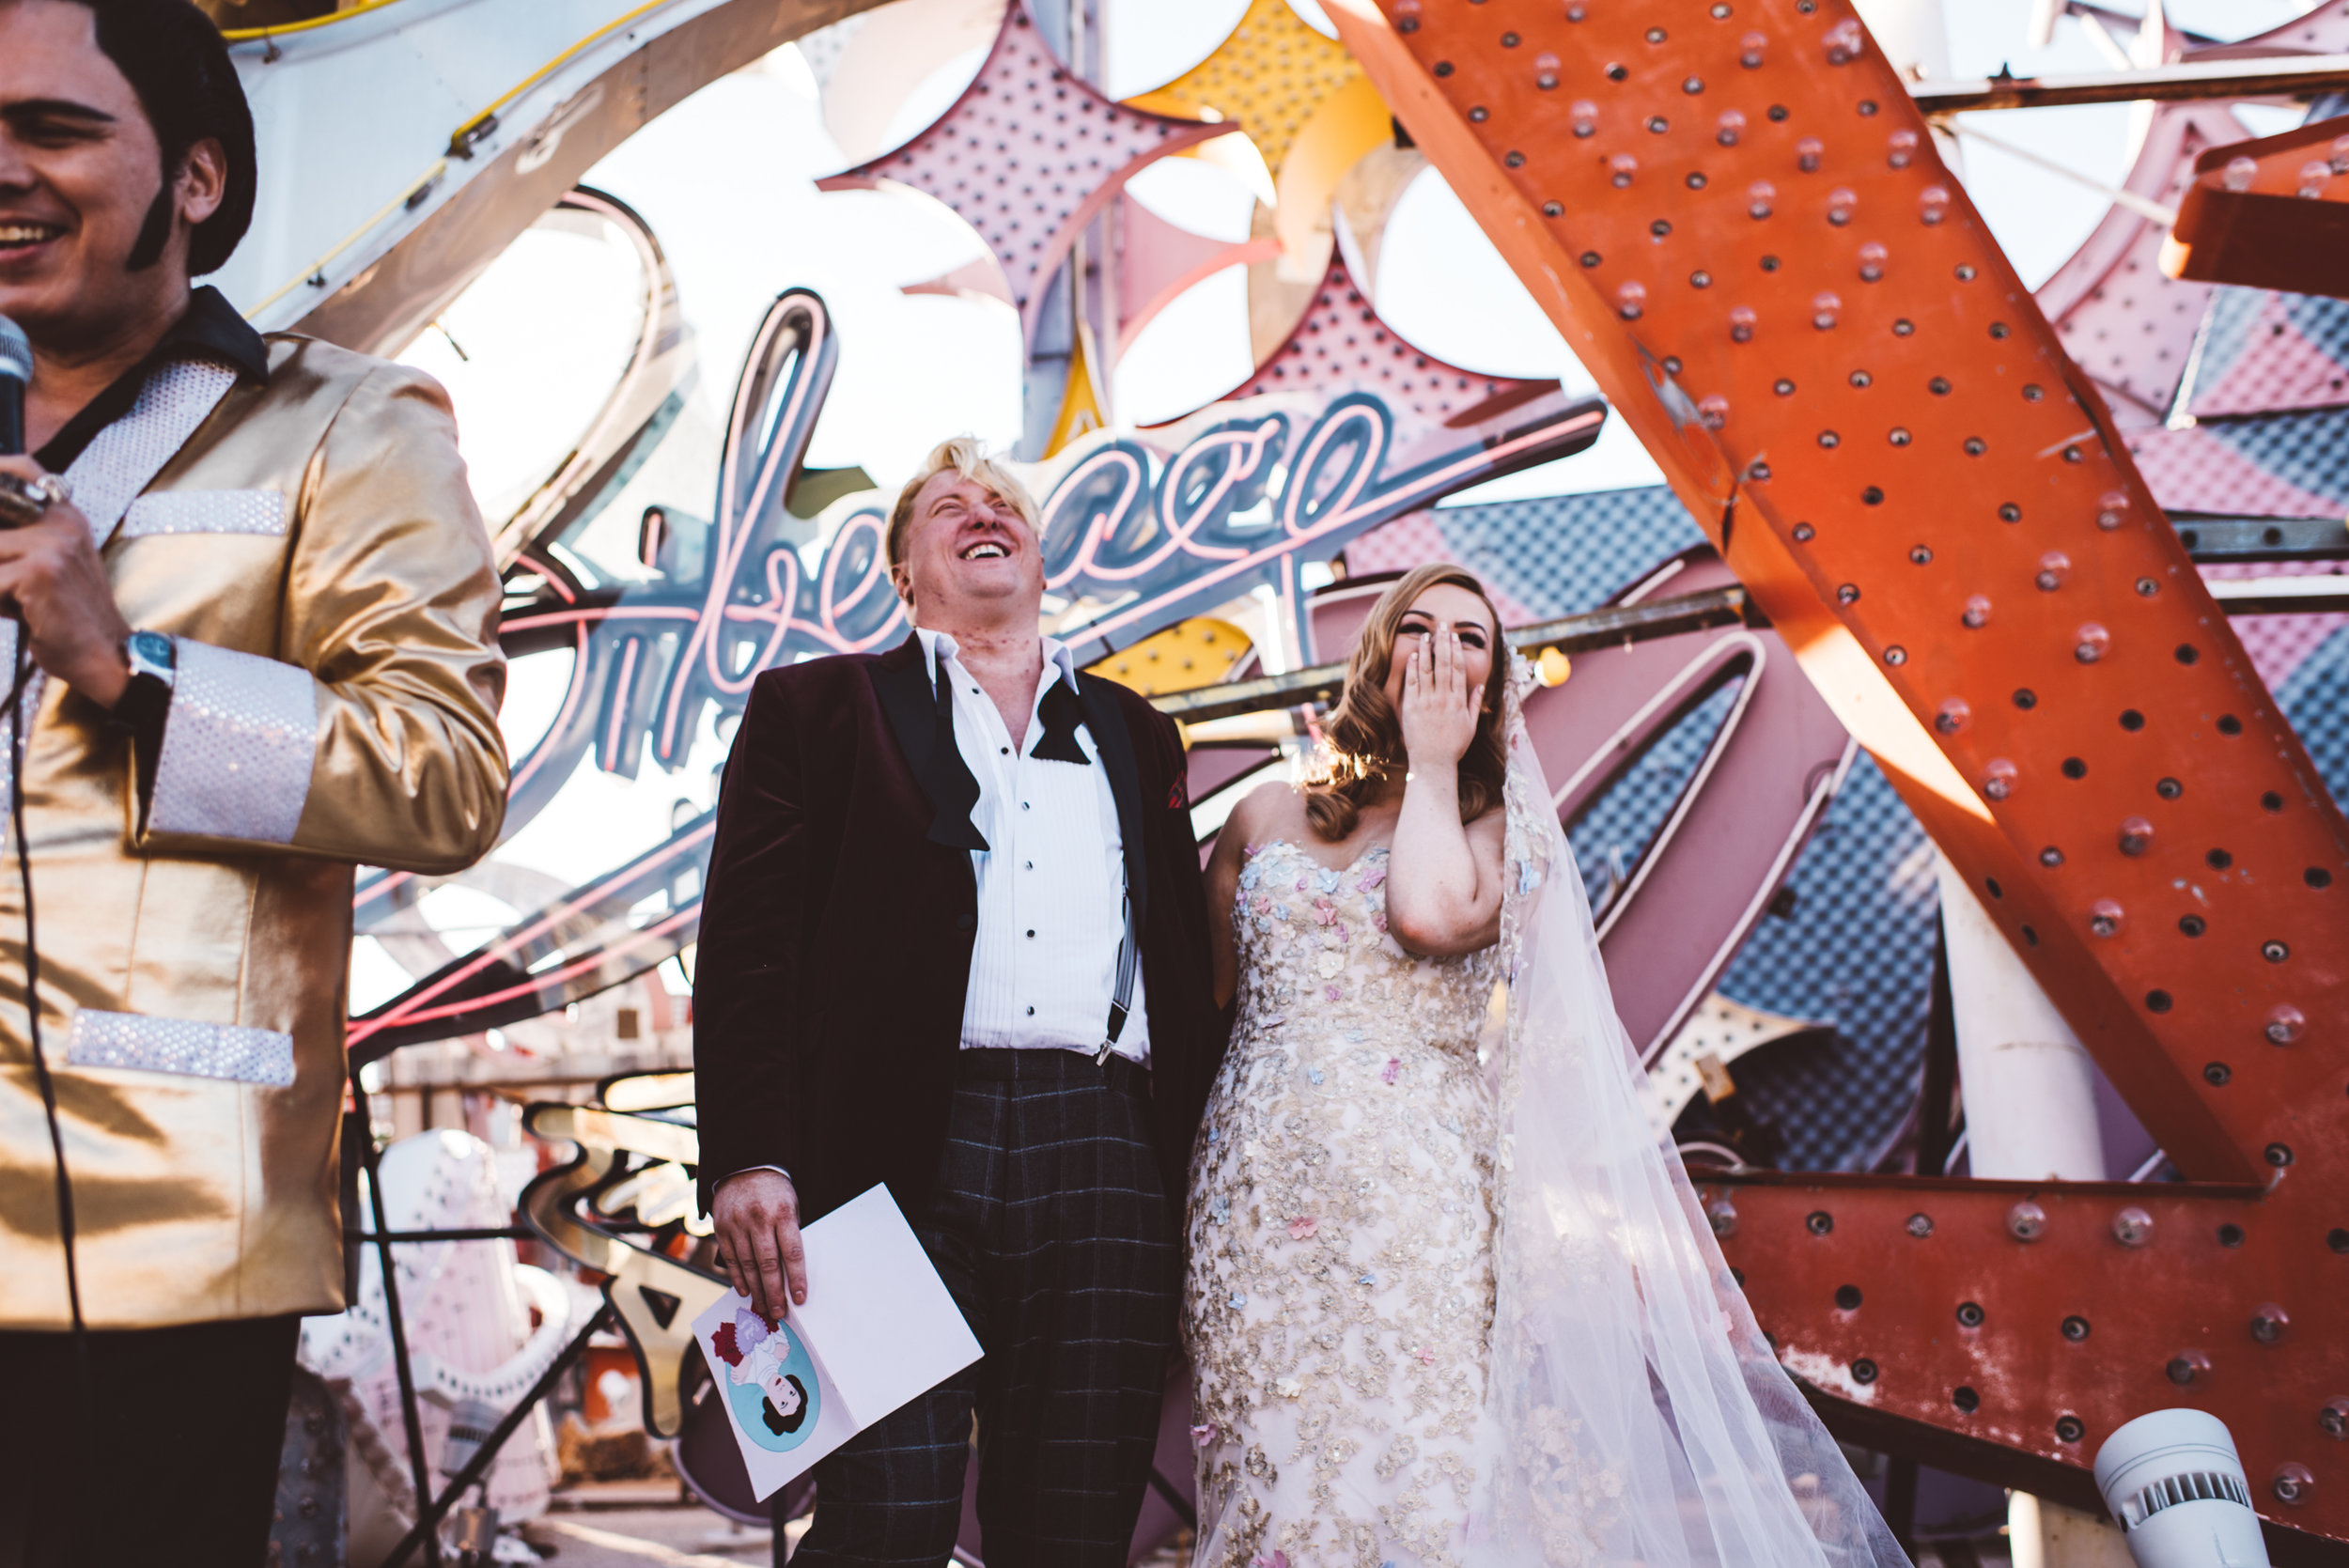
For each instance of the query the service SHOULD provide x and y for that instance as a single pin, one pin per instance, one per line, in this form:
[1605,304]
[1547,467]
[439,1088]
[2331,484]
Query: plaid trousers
[1052,1228]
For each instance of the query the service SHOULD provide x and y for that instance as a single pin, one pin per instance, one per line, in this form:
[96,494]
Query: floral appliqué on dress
[1341,1293]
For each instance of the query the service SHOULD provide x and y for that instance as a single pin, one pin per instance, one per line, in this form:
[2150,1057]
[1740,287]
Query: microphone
[16,369]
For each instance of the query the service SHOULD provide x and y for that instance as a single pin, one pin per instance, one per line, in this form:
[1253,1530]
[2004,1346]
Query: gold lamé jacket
[311,545]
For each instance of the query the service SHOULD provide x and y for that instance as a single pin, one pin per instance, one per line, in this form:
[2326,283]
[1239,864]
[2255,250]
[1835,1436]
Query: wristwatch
[154,667]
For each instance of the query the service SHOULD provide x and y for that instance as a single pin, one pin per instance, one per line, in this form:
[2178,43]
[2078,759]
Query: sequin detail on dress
[1340,1228]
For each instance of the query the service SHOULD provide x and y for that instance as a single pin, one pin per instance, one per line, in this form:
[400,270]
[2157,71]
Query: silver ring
[56,487]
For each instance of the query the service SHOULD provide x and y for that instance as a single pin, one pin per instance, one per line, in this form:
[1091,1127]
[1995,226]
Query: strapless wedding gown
[1340,1297]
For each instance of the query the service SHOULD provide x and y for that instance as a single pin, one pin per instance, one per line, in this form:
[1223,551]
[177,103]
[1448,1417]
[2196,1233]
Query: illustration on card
[770,1380]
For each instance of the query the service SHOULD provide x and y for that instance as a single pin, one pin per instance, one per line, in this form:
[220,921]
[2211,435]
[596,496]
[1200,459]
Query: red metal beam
[1735,214]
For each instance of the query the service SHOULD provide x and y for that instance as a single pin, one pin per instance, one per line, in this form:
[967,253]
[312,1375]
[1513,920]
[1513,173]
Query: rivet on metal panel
[1863,1371]
[2293,1484]
[2026,1220]
[2132,1227]
[2230,1236]
[1722,1215]
[2284,1024]
[2280,1155]
[1921,1225]
[1966,1399]
[2187,1368]
[2268,1323]
[2136,836]
[2076,1328]
[1819,1222]
[2105,917]
[2333,1420]
[1952,716]
[1969,1314]
[1847,1297]
[2070,1429]
[2216,1074]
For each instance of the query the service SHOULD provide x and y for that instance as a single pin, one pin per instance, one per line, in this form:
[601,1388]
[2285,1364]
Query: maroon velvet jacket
[836,932]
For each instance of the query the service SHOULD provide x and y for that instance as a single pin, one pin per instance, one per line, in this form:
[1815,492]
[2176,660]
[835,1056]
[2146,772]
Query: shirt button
[1032,935]
[1027,866]
[1005,749]
[1032,1012]
[1023,805]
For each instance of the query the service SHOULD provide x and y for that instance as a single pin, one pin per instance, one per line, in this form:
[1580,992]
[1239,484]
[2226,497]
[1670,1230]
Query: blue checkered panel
[1856,951]
[2316,697]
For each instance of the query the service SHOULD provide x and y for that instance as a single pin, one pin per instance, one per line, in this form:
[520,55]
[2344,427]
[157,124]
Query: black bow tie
[1062,713]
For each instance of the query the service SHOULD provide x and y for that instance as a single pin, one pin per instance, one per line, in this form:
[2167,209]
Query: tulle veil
[1634,1410]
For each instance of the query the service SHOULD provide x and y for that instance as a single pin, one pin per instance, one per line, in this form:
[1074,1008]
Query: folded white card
[877,1328]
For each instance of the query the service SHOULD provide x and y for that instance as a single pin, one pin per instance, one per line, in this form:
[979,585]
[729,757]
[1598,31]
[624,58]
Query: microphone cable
[19,749]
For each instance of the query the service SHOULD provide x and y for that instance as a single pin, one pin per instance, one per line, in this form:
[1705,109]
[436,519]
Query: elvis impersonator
[254,617]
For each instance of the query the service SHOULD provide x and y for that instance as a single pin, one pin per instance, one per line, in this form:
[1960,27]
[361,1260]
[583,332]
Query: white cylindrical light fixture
[2173,1481]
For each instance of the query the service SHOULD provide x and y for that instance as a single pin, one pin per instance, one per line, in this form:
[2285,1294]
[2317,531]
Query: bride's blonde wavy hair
[1362,740]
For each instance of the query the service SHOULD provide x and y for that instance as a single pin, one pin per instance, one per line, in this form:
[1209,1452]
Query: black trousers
[1053,1230]
[173,1459]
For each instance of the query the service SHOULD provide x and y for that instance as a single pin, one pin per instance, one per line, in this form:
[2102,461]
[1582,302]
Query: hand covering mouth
[985,549]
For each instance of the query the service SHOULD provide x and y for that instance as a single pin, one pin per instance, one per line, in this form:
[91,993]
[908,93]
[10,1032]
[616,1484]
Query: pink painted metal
[1028,156]
[1339,347]
[1749,808]
[2125,322]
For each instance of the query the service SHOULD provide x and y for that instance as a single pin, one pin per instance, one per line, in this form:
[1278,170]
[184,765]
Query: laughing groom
[955,940]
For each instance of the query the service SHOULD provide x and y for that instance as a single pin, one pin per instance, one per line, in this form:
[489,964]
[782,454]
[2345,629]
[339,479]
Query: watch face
[152,649]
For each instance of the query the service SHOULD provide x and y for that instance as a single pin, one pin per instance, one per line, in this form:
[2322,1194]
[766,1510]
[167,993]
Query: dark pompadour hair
[175,59]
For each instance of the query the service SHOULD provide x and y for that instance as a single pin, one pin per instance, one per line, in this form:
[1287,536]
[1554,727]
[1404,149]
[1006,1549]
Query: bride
[1450,1301]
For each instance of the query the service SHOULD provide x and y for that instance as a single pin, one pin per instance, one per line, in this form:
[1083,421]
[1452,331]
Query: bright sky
[726,181]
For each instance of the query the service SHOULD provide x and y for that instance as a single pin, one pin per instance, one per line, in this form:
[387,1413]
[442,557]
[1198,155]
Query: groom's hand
[757,1217]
